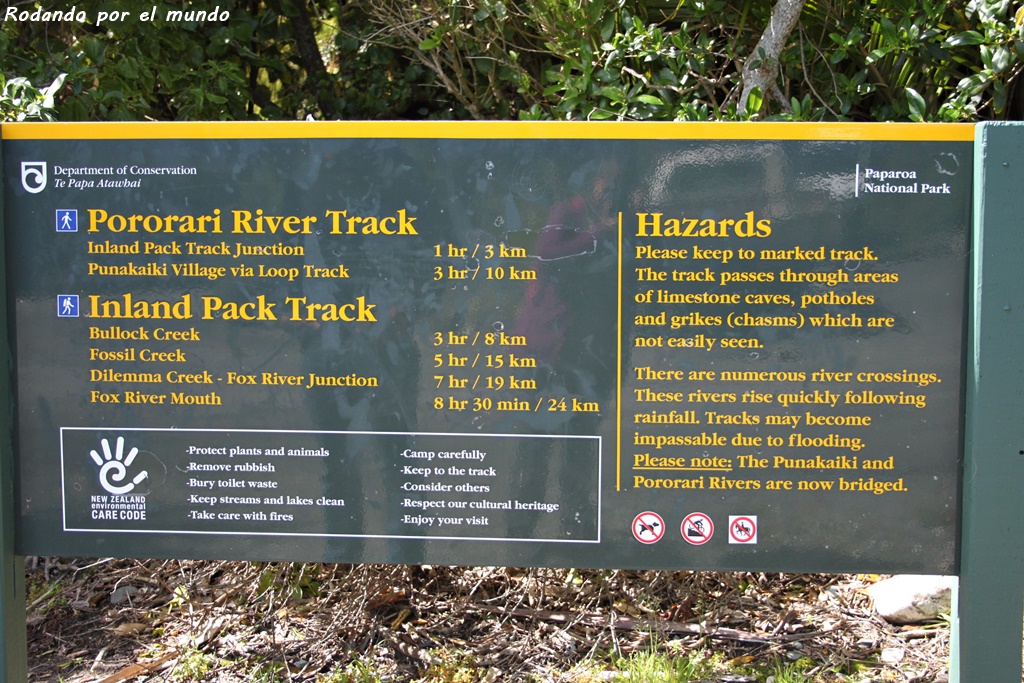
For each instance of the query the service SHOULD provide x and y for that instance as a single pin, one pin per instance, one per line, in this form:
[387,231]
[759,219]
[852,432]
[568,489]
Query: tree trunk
[762,66]
[317,77]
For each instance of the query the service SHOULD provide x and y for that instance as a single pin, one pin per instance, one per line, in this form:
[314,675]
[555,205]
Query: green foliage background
[920,60]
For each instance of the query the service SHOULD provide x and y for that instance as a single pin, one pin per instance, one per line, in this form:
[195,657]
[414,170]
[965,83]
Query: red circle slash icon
[697,528]
[648,527]
[743,529]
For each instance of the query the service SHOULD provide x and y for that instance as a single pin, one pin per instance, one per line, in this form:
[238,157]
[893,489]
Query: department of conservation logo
[33,176]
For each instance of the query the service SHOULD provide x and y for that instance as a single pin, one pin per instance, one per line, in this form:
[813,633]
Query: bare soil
[113,620]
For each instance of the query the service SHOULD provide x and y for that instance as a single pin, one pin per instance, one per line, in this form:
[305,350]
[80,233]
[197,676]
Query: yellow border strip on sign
[618,368]
[577,130]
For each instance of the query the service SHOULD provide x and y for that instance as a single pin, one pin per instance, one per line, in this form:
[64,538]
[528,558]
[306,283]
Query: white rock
[910,598]
[122,594]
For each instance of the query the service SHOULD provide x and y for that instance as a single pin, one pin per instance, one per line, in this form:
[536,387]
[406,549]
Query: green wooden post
[13,656]
[991,597]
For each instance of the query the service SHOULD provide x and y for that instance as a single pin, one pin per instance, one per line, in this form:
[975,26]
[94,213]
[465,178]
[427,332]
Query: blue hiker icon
[67,220]
[67,306]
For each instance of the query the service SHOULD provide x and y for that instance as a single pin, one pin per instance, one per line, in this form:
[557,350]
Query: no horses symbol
[743,529]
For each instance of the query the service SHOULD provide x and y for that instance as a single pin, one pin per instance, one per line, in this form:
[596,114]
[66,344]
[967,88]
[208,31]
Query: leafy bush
[22,101]
[874,60]
[919,60]
[271,59]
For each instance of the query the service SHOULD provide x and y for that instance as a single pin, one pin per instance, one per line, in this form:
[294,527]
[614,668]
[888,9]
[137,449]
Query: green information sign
[661,346]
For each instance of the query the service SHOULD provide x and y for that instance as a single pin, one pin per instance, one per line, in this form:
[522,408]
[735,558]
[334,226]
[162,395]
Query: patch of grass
[71,663]
[355,672]
[790,672]
[296,580]
[267,672]
[656,666]
[581,673]
[193,665]
[451,667]
[40,594]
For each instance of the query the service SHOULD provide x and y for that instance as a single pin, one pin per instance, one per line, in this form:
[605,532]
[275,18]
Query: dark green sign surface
[663,346]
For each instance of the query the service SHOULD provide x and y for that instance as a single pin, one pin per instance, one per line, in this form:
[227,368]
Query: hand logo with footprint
[114,468]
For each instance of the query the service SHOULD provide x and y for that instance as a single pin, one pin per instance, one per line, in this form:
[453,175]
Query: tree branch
[762,67]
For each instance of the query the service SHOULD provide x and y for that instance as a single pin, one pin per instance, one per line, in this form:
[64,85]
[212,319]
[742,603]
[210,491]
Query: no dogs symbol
[648,527]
